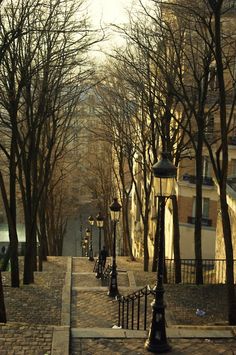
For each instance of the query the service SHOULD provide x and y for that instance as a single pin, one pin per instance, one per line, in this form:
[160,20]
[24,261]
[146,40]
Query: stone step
[187,332]
[107,333]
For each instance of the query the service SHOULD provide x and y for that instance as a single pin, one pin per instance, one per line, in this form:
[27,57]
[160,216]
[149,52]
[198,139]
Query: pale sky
[109,11]
[106,12]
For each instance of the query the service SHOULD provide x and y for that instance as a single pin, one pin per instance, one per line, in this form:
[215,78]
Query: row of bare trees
[176,73]
[44,70]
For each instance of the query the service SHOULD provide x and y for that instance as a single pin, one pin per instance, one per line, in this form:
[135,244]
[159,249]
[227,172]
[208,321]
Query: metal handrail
[95,267]
[129,313]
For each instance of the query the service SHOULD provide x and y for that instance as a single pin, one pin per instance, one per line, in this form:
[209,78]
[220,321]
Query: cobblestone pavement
[25,339]
[91,307]
[136,347]
[33,310]
[182,300]
[24,303]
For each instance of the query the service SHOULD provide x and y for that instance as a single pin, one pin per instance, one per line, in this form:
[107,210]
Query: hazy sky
[109,11]
[105,12]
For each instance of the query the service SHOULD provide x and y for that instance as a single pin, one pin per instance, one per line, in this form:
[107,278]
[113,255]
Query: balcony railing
[232,140]
[205,221]
[207,180]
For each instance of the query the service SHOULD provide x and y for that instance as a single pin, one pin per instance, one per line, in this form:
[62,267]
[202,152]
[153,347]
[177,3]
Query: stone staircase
[90,318]
[93,313]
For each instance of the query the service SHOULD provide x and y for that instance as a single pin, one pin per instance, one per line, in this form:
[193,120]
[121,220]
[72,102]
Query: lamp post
[100,221]
[165,174]
[115,216]
[91,222]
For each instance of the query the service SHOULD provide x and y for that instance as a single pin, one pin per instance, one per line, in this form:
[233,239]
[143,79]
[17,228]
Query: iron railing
[95,267]
[106,275]
[214,270]
[132,309]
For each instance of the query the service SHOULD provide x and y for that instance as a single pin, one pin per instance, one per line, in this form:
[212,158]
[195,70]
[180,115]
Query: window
[209,124]
[212,78]
[234,125]
[206,167]
[205,207]
[233,167]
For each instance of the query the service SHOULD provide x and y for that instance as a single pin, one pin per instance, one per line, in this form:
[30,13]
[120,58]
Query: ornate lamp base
[157,340]
[157,348]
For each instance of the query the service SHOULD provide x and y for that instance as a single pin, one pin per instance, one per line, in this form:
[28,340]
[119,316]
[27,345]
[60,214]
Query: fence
[214,270]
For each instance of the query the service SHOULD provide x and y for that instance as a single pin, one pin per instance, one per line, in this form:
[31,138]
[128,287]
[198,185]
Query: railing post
[145,309]
[127,314]
[132,318]
[119,312]
[123,311]
[138,310]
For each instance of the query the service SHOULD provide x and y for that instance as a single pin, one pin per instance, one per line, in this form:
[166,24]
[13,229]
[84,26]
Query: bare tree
[206,64]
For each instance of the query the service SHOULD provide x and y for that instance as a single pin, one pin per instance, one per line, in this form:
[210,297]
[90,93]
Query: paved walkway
[93,314]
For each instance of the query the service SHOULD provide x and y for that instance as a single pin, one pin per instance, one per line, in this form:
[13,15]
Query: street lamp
[91,222]
[115,216]
[100,221]
[165,174]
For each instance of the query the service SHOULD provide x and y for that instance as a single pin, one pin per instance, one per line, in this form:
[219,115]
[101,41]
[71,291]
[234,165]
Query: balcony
[207,180]
[205,221]
[232,140]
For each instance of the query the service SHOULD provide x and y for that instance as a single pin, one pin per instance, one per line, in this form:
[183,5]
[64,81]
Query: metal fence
[214,271]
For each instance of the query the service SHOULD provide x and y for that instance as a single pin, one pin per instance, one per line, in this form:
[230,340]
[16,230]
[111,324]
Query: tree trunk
[145,245]
[43,231]
[156,239]
[176,240]
[222,176]
[198,211]
[15,279]
[30,251]
[127,229]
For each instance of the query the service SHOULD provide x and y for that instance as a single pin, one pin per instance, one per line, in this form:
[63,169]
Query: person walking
[103,255]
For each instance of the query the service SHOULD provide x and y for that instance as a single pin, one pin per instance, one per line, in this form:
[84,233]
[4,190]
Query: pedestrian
[103,256]
[2,254]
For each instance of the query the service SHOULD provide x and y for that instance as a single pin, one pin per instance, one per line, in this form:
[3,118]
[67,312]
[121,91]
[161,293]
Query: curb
[175,332]
[61,334]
